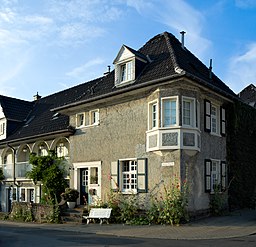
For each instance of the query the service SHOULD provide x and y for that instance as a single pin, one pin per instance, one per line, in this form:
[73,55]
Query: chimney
[210,69]
[182,38]
[37,97]
[106,73]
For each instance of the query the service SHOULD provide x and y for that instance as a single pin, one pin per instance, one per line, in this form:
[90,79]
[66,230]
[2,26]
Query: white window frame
[171,99]
[131,185]
[94,117]
[153,115]
[80,123]
[126,71]
[215,117]
[192,112]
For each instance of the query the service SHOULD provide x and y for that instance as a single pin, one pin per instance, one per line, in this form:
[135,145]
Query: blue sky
[49,45]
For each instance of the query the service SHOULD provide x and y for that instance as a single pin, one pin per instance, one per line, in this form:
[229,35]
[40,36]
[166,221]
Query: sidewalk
[237,224]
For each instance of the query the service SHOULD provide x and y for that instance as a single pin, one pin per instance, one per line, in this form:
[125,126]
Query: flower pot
[71,205]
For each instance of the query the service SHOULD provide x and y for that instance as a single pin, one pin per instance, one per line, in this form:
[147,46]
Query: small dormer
[2,124]
[128,64]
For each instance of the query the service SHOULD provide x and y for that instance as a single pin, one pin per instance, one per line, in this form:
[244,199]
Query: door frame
[81,165]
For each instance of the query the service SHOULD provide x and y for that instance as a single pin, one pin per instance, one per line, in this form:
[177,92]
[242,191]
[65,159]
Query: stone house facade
[160,114]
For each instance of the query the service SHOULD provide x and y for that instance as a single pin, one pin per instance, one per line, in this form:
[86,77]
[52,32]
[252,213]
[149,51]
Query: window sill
[87,126]
[124,83]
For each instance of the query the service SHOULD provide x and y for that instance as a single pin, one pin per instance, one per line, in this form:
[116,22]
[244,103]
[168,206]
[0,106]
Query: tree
[49,170]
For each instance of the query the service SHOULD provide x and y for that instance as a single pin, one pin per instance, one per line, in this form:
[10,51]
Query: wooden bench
[103,214]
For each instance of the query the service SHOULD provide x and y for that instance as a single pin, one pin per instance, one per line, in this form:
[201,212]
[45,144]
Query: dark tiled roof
[248,95]
[166,57]
[15,109]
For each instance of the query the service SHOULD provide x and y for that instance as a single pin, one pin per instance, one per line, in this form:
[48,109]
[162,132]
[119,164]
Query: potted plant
[70,196]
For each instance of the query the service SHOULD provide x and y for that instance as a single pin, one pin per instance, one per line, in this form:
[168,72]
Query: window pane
[186,113]
[169,112]
[129,71]
[123,72]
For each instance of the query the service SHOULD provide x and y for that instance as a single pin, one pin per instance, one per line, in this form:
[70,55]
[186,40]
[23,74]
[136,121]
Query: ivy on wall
[241,155]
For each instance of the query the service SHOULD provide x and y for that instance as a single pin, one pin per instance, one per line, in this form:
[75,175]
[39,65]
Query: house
[160,114]
[248,95]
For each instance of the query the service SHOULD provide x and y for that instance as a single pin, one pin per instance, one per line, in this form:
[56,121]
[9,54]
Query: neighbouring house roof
[166,60]
[15,109]
[248,95]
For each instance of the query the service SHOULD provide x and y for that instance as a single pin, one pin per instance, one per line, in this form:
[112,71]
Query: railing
[21,168]
[173,138]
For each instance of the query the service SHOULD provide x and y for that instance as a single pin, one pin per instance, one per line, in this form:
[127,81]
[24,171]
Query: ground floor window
[129,175]
[215,175]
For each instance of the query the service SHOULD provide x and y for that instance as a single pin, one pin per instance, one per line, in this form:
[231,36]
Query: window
[126,71]
[129,175]
[214,118]
[94,117]
[188,112]
[215,175]
[153,115]
[169,112]
[80,120]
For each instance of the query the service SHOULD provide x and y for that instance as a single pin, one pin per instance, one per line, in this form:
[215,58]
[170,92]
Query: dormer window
[128,64]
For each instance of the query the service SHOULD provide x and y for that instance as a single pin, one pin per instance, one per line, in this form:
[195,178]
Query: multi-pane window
[214,119]
[169,112]
[189,112]
[215,175]
[154,115]
[129,175]
[186,112]
[126,71]
[88,118]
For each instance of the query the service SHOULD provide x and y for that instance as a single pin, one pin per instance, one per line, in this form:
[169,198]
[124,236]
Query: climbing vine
[241,155]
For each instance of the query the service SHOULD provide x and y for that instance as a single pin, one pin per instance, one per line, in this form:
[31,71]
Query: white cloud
[85,69]
[241,70]
[7,15]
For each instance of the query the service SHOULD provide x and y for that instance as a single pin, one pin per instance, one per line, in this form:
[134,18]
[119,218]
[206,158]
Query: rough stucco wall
[122,134]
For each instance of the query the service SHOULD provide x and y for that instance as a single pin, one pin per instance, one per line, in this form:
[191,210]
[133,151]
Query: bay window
[169,112]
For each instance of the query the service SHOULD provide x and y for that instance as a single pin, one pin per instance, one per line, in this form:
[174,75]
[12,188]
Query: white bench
[103,214]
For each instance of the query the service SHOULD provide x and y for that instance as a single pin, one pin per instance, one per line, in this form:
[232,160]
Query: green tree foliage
[49,170]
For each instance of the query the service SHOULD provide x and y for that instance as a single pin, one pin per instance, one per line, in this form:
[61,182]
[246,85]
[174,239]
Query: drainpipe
[14,169]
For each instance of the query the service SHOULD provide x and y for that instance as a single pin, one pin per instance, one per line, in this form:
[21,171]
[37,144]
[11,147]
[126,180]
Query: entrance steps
[73,216]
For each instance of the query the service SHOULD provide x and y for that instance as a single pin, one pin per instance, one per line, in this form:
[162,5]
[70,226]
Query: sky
[47,46]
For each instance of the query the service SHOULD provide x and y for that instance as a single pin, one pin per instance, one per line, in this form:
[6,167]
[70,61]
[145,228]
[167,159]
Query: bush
[70,195]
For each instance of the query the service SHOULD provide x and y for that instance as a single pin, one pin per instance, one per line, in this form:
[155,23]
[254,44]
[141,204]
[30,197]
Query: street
[16,236]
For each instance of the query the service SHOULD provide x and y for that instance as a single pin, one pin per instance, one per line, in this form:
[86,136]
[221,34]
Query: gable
[124,54]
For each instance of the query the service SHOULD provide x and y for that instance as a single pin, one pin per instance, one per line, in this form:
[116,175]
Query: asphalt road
[13,236]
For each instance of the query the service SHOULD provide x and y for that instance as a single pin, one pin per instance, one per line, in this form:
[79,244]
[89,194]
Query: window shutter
[207,172]
[207,115]
[142,175]
[115,175]
[223,173]
[222,121]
